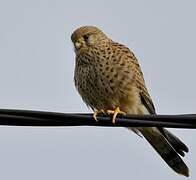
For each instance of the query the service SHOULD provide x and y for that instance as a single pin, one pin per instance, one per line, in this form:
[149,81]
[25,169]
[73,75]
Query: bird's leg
[96,113]
[115,112]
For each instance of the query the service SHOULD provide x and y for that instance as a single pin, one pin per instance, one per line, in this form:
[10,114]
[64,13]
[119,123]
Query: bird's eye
[85,37]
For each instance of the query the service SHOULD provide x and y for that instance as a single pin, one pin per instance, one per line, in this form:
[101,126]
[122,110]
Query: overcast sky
[36,72]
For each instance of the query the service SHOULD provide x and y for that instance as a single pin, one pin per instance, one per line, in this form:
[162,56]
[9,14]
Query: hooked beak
[77,45]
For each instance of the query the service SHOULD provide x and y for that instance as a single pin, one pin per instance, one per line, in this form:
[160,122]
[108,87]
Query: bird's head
[87,36]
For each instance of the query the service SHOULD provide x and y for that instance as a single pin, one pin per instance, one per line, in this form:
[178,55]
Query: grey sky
[36,72]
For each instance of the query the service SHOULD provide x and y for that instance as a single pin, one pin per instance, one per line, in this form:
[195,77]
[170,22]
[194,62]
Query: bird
[110,80]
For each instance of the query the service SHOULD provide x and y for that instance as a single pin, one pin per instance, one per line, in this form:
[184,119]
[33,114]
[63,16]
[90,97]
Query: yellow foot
[96,113]
[115,112]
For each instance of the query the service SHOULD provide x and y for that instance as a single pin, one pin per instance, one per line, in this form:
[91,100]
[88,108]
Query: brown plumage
[107,76]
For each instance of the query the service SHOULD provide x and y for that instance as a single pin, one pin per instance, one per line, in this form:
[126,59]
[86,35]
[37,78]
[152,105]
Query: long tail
[168,146]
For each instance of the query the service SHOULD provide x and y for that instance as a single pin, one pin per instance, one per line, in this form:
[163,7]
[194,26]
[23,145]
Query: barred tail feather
[165,150]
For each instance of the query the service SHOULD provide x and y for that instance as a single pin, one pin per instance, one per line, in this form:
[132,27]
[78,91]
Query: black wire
[13,117]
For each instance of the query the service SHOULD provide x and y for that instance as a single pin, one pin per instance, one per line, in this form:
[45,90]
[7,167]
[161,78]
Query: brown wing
[138,80]
[140,84]
[147,103]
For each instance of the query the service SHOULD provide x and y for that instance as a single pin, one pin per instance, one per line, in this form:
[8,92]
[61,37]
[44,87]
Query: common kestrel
[109,79]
